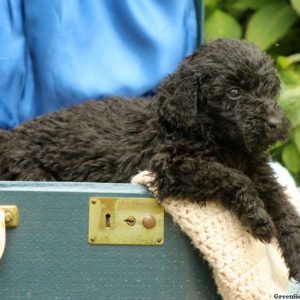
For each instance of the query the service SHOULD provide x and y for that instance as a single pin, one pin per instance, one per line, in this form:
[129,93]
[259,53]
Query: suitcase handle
[2,232]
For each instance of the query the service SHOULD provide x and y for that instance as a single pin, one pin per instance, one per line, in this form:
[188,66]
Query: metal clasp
[125,221]
[11,215]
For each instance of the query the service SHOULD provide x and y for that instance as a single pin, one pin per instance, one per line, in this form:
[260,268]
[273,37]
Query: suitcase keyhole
[107,220]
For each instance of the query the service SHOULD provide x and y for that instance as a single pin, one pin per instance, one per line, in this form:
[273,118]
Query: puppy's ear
[180,101]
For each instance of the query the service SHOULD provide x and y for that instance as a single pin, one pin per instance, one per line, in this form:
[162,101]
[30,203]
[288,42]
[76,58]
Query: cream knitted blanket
[243,267]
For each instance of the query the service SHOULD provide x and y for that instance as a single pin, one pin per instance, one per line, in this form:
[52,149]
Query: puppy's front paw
[261,225]
[146,178]
[291,253]
[290,244]
[294,264]
[295,271]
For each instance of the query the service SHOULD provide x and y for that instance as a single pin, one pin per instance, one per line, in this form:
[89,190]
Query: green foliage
[270,23]
[296,5]
[274,26]
[251,4]
[290,157]
[289,100]
[221,24]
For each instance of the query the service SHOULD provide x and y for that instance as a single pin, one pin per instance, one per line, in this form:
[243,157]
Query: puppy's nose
[274,122]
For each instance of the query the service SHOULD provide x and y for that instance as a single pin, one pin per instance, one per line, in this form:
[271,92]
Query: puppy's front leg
[284,215]
[183,176]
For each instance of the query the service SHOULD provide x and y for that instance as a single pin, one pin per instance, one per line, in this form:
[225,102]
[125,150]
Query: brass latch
[127,221]
[9,217]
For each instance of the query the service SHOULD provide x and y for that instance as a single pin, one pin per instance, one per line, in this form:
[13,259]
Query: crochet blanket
[243,267]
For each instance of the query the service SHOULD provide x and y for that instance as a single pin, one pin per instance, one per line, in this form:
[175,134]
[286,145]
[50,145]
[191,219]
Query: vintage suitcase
[52,252]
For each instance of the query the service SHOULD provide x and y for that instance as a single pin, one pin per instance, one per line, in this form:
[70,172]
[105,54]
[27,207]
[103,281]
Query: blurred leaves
[220,24]
[296,5]
[291,158]
[289,100]
[251,4]
[270,23]
[296,138]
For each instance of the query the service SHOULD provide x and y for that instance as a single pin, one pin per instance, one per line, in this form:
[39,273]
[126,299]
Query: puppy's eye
[234,93]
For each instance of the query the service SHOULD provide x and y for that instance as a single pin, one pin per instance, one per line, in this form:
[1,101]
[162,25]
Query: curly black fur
[203,135]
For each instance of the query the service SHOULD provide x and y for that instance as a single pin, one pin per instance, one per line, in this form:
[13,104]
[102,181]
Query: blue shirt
[56,53]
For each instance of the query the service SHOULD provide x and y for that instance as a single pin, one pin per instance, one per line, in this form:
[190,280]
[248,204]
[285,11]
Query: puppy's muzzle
[275,118]
[277,125]
[274,122]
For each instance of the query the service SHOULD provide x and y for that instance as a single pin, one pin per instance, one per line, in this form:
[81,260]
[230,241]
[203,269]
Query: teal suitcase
[49,254]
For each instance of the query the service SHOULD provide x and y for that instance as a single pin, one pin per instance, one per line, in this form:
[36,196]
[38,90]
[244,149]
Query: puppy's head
[231,86]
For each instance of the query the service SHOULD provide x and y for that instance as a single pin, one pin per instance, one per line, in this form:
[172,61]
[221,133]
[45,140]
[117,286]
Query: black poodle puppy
[203,135]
